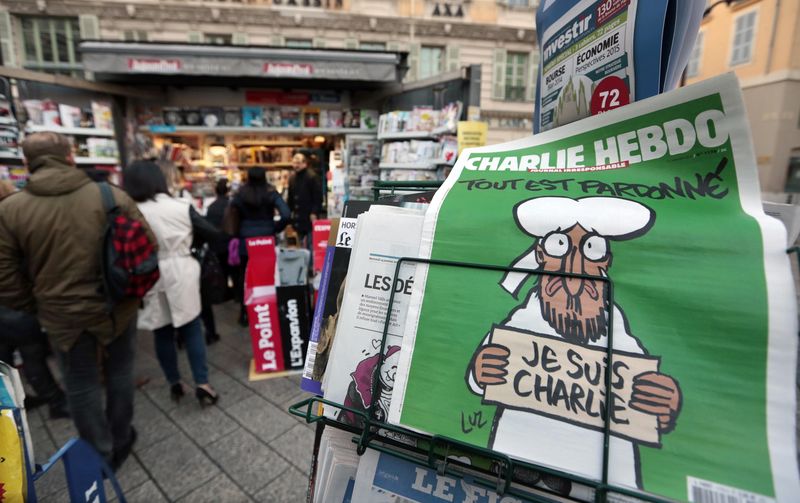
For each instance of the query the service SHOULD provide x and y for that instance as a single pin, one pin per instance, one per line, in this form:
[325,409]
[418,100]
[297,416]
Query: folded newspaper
[597,55]
[385,234]
[657,206]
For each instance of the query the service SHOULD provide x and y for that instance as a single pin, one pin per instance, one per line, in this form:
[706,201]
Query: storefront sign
[262,305]
[288,70]
[295,324]
[472,134]
[196,59]
[154,65]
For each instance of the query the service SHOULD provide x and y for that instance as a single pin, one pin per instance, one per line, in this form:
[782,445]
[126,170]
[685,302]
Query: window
[135,36]
[299,43]
[693,68]
[431,61]
[218,38]
[518,3]
[793,178]
[51,44]
[516,74]
[372,46]
[744,32]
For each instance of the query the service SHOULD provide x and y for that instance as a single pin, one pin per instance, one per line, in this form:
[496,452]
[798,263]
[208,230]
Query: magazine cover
[385,234]
[658,206]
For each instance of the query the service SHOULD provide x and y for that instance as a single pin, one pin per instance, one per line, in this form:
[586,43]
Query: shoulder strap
[109,204]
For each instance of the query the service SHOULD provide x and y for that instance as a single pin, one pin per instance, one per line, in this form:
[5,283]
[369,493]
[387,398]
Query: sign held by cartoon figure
[544,365]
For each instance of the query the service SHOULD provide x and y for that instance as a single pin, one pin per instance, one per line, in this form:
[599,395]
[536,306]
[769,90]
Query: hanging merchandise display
[618,228]
[598,55]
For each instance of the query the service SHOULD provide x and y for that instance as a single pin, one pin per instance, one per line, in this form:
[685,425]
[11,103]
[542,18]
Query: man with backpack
[57,237]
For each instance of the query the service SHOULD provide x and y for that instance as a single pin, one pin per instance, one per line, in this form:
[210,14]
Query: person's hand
[659,395]
[490,365]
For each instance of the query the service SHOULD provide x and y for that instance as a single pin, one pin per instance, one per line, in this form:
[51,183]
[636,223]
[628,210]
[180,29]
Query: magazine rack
[488,468]
[393,187]
[494,469]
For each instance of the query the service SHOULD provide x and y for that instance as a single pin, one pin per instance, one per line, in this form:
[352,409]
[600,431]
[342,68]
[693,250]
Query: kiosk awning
[115,60]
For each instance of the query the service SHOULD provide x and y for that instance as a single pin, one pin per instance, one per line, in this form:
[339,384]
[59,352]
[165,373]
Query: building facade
[439,37]
[760,41]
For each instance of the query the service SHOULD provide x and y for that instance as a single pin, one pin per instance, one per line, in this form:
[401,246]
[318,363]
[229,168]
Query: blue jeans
[167,353]
[111,429]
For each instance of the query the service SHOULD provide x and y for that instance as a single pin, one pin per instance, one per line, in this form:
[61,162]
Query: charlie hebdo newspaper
[658,205]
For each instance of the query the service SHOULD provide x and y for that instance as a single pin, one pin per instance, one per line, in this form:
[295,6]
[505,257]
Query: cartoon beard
[578,319]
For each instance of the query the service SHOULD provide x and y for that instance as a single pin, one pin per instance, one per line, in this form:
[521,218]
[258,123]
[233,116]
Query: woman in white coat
[174,302]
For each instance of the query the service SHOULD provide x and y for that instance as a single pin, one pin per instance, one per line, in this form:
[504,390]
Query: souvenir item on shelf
[101,115]
[173,116]
[272,117]
[50,114]
[35,111]
[70,116]
[311,117]
[211,116]
[253,116]
[369,119]
[232,117]
[192,117]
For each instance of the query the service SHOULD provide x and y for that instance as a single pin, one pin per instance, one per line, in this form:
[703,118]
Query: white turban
[610,217]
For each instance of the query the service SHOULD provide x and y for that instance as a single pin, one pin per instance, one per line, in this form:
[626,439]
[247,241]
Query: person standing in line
[252,214]
[21,331]
[174,301]
[305,198]
[219,247]
[50,264]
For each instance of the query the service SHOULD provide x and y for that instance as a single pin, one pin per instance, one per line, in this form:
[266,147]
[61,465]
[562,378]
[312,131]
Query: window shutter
[89,26]
[499,81]
[277,40]
[452,58]
[6,40]
[533,80]
[413,63]
[350,43]
[194,37]
[319,42]
[239,39]
[392,46]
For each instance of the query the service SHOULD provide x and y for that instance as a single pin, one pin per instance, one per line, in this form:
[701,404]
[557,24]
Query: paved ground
[247,448]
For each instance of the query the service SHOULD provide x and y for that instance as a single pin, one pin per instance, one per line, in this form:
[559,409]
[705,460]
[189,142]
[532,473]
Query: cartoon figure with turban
[573,236]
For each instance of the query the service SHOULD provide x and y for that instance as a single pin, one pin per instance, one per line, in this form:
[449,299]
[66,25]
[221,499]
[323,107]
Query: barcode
[311,356]
[704,491]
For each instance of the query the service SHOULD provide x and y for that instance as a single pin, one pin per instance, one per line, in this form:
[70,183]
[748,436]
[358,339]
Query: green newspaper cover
[657,207]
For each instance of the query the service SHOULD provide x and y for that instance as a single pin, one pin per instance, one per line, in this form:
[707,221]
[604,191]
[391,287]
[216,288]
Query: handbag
[213,281]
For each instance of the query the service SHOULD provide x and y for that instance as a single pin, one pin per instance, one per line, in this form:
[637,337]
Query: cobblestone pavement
[247,448]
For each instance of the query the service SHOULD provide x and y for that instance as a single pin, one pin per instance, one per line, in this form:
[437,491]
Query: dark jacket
[305,198]
[216,211]
[215,215]
[50,237]
[260,220]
